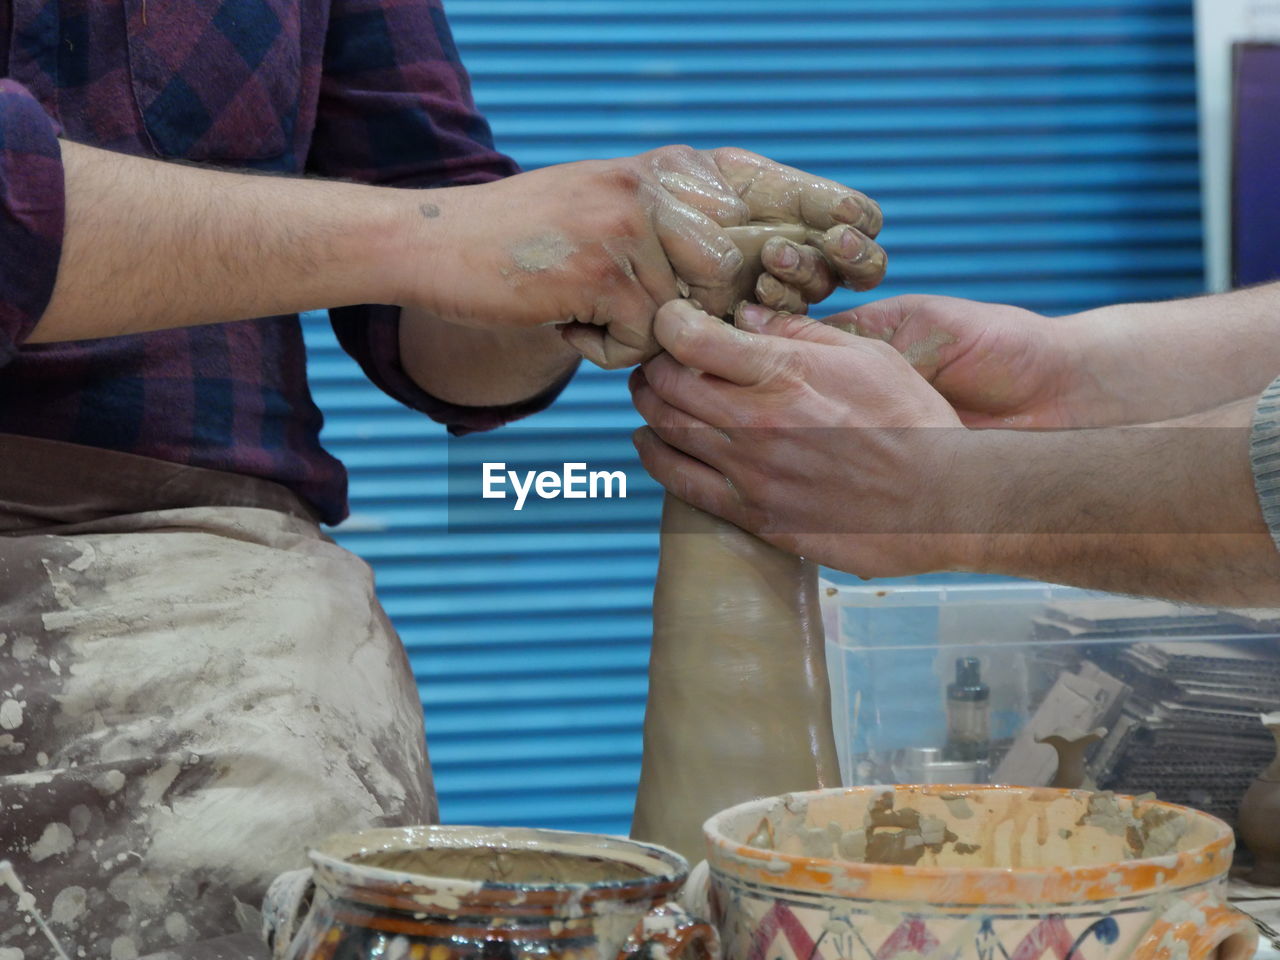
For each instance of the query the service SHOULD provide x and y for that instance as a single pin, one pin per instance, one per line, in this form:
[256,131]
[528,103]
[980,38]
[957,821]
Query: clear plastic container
[1171,694]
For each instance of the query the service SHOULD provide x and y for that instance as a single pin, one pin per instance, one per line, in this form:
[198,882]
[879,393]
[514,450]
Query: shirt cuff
[32,214]
[1264,455]
[371,334]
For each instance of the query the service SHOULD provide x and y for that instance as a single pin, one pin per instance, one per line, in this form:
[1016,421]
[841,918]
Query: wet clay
[751,239]
[739,704]
[1260,816]
[496,865]
[973,828]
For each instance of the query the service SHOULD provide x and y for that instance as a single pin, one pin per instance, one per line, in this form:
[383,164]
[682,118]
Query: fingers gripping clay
[739,706]
[752,237]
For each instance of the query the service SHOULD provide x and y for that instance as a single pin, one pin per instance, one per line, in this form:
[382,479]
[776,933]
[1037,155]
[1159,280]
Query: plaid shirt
[369,90]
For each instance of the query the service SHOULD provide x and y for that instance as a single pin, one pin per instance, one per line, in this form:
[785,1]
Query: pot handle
[669,931]
[695,895]
[284,908]
[1228,934]
[1210,931]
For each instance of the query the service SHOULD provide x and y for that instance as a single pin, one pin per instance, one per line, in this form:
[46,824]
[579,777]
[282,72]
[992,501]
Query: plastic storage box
[957,684]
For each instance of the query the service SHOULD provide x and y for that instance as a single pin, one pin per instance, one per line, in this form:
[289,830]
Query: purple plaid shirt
[368,90]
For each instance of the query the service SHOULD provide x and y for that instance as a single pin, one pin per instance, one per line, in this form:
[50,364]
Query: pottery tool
[27,904]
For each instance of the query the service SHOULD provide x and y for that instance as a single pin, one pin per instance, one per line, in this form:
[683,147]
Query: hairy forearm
[1141,362]
[150,245]
[1164,510]
[475,367]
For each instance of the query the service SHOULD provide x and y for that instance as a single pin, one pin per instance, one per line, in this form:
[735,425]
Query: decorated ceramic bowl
[484,893]
[972,873]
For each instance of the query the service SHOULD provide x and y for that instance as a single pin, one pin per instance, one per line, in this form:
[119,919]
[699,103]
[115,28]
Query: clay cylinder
[739,704]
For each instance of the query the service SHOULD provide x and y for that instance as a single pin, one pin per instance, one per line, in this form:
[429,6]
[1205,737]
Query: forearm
[480,367]
[1164,510]
[1141,362]
[150,245]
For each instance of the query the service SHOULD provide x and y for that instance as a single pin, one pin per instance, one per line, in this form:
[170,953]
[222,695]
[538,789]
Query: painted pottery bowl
[972,873]
[466,893]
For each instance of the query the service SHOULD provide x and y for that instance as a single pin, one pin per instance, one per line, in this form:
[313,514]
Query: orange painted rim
[941,886]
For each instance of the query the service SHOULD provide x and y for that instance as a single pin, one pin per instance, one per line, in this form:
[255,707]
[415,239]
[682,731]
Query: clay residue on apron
[189,697]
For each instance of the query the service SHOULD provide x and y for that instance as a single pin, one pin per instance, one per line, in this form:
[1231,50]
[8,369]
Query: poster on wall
[1255,185]
[1221,26]
[1234,42]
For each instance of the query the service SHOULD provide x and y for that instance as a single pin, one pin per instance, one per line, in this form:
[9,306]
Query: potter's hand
[999,366]
[840,252]
[821,442]
[832,446]
[597,246]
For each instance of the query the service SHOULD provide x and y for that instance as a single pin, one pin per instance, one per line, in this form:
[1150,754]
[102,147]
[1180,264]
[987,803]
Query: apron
[195,684]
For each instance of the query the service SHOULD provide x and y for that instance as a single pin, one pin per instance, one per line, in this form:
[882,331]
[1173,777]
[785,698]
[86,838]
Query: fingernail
[752,316]
[788,257]
[849,210]
[851,243]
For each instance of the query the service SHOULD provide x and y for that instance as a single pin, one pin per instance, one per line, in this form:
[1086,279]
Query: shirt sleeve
[1264,456]
[32,214]
[396,108]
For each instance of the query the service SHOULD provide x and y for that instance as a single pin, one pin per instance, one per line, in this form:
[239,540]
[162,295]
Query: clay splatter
[927,352]
[545,252]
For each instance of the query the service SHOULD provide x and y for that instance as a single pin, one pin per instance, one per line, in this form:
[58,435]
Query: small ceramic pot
[972,873]
[466,893]
[1259,819]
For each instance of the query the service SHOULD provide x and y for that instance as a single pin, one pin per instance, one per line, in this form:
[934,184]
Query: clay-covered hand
[998,365]
[839,248]
[824,443]
[595,247]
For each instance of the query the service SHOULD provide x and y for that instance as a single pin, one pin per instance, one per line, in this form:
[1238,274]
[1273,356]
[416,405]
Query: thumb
[754,318]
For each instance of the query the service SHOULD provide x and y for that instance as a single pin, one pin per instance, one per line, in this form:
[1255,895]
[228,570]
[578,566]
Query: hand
[998,366]
[597,246]
[824,443]
[839,252]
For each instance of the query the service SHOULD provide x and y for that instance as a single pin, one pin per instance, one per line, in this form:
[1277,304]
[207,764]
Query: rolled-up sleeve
[32,214]
[1264,456]
[396,109]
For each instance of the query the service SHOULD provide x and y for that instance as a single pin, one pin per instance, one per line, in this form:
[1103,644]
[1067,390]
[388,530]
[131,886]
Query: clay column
[739,705]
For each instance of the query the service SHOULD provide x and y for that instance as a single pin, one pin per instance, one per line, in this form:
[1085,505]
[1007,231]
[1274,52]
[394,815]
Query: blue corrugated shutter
[1042,153]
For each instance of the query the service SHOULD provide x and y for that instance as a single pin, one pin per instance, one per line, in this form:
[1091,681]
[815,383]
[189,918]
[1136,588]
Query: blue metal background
[1041,152]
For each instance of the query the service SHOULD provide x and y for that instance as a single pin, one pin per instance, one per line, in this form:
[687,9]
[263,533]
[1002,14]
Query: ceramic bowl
[484,893]
[972,873]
